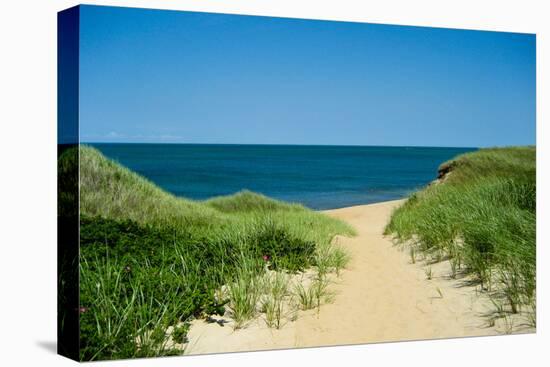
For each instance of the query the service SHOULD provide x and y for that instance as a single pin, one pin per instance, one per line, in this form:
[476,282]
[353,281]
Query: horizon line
[292,144]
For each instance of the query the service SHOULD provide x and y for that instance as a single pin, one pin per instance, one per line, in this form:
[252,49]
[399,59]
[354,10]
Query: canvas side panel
[67,183]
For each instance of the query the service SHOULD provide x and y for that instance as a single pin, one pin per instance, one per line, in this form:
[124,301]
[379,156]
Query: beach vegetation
[245,291]
[274,303]
[150,261]
[481,215]
[429,273]
[312,295]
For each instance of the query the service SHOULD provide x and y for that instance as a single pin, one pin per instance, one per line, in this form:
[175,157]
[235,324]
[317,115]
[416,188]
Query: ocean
[319,177]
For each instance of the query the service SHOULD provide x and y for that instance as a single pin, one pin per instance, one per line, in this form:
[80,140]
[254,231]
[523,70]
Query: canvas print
[232,183]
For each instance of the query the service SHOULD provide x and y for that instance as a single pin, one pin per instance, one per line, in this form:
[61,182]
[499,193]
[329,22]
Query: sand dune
[380,297]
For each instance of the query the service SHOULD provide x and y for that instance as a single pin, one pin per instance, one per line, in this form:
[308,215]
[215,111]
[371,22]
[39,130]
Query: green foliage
[135,281]
[282,250]
[179,335]
[313,295]
[493,162]
[246,201]
[245,291]
[67,183]
[150,260]
[276,288]
[483,217]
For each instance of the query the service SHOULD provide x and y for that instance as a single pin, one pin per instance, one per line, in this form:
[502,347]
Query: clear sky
[183,77]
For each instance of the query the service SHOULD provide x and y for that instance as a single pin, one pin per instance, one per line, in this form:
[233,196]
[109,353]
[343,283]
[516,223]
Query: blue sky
[183,77]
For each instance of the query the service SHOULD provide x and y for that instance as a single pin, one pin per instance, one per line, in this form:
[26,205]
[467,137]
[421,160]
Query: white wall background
[28,179]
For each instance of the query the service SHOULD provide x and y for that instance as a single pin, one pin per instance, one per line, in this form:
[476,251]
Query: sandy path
[383,297]
[380,297]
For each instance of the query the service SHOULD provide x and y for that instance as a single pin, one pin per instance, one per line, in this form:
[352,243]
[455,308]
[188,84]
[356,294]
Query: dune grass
[312,295]
[482,217]
[150,260]
[276,288]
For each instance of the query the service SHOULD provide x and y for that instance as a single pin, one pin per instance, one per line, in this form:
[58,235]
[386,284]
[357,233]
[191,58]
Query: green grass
[276,288]
[482,217]
[150,260]
[313,295]
[244,292]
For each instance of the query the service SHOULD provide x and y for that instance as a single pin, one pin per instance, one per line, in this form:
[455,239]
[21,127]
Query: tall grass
[245,291]
[276,288]
[482,217]
[150,260]
[312,295]
[121,308]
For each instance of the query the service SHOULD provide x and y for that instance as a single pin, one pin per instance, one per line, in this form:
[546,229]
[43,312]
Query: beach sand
[380,297]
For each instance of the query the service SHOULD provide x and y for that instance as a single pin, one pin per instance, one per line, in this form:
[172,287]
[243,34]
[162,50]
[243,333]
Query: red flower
[266,257]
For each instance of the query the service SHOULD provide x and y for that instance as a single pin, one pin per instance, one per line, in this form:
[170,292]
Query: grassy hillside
[150,260]
[481,215]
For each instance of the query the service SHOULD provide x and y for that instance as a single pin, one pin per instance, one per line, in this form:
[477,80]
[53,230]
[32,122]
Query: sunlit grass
[482,217]
[149,261]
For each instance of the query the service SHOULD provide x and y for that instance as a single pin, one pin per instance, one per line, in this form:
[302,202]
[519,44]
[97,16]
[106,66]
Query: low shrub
[150,260]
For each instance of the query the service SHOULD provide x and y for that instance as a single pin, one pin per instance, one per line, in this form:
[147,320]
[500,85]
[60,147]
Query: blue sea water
[320,177]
